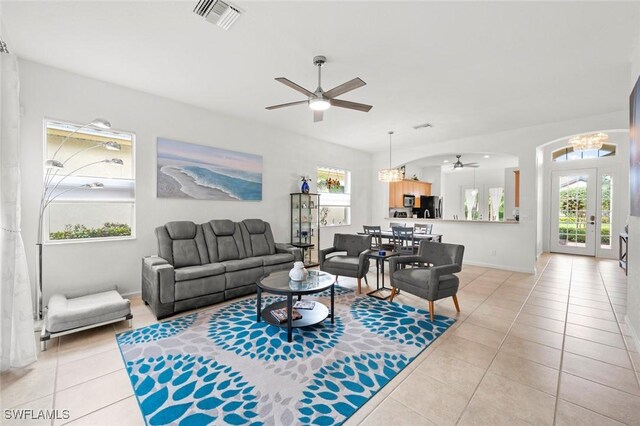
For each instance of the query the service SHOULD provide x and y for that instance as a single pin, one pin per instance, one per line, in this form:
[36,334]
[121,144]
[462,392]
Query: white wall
[617,166]
[522,143]
[633,281]
[52,93]
[434,176]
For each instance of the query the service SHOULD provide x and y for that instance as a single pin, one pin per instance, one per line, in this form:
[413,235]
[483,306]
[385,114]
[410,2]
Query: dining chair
[403,241]
[376,237]
[423,228]
[397,225]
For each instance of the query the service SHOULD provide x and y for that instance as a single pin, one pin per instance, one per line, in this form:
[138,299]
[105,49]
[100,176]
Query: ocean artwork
[201,172]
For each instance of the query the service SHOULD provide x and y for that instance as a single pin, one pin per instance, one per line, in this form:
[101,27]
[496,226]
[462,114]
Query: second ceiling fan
[320,101]
[460,165]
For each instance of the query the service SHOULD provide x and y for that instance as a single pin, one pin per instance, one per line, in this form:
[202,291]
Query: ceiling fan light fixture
[319,104]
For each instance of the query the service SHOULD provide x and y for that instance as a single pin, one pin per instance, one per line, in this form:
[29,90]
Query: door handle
[592,220]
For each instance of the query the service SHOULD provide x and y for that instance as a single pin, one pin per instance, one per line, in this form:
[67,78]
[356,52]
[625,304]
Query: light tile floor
[549,348]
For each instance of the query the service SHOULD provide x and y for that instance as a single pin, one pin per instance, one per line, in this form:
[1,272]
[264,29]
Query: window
[605,211]
[335,201]
[568,154]
[496,204]
[471,211]
[92,196]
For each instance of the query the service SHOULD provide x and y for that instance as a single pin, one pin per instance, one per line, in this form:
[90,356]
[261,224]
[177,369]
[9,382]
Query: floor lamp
[54,176]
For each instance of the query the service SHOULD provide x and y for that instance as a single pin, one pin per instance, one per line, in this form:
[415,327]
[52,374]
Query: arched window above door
[569,154]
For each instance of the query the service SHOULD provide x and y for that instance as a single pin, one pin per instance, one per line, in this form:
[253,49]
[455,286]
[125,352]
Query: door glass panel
[605,208]
[572,212]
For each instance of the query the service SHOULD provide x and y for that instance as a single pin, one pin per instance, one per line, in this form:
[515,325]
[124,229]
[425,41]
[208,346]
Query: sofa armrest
[288,248]
[396,261]
[160,274]
[438,271]
[322,255]
[363,263]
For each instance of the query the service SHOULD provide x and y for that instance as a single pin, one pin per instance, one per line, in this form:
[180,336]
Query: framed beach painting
[202,172]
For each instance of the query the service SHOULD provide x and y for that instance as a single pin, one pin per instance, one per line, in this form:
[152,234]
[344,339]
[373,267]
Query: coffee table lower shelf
[309,316]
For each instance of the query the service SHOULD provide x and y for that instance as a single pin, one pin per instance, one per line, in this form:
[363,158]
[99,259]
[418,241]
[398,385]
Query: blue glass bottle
[305,187]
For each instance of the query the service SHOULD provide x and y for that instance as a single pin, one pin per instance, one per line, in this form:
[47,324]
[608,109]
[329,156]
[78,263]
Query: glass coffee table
[279,283]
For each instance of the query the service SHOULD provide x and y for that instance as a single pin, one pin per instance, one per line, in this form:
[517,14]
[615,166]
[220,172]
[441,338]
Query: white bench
[70,315]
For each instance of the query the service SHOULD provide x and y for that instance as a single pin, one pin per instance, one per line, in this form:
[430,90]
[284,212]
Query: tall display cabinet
[305,226]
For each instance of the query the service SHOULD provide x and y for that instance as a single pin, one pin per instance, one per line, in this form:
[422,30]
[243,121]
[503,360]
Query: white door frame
[591,210]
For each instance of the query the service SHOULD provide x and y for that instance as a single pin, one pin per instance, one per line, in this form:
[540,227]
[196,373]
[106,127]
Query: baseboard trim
[495,266]
[131,294]
[635,336]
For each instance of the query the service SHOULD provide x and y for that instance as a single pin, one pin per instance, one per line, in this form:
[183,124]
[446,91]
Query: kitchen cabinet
[407,186]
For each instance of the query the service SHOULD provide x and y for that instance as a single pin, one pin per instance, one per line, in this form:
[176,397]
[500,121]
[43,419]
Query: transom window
[568,154]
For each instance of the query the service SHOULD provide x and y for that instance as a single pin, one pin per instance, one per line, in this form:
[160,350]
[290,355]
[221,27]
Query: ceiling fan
[320,101]
[459,164]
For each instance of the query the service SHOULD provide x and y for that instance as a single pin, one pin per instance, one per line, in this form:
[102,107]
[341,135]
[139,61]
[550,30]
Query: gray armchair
[354,263]
[434,282]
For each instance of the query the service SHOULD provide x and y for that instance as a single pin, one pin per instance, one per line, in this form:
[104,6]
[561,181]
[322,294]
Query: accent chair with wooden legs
[347,257]
[433,282]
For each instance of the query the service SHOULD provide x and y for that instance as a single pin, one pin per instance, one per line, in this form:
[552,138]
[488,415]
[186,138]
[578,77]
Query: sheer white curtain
[470,201]
[17,343]
[496,198]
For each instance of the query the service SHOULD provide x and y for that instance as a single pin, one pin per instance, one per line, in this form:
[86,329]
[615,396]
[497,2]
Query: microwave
[408,200]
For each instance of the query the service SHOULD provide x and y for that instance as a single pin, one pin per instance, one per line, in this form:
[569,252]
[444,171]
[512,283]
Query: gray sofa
[198,265]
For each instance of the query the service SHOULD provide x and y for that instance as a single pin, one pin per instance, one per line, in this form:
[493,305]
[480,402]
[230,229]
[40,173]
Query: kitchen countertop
[417,219]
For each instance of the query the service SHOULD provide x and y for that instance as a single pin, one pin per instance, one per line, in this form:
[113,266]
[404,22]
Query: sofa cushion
[181,230]
[182,244]
[223,227]
[255,226]
[224,241]
[342,262]
[200,287]
[243,277]
[258,238]
[185,253]
[276,259]
[66,314]
[199,271]
[241,264]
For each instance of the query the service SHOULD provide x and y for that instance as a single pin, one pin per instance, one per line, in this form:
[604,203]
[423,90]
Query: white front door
[574,209]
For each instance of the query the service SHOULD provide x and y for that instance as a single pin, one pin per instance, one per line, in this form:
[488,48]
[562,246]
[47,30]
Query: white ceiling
[468,68]
[494,161]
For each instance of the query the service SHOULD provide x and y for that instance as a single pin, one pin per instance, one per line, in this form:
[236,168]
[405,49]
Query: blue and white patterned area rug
[221,367]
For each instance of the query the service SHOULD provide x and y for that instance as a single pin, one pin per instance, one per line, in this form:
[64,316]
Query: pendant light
[588,142]
[390,174]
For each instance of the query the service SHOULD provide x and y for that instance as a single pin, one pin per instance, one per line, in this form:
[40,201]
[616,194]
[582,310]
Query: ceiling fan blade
[317,116]
[294,86]
[474,166]
[286,105]
[350,105]
[473,163]
[345,87]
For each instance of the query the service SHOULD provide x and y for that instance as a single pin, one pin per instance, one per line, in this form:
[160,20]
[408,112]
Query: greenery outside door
[574,211]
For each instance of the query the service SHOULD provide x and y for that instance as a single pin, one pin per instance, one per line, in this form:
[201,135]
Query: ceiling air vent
[218,12]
